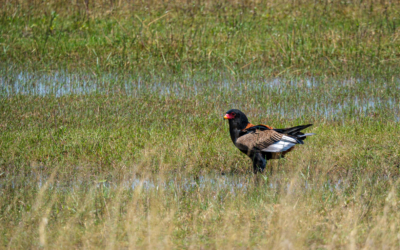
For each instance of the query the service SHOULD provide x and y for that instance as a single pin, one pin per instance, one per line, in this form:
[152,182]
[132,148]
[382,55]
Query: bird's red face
[229,116]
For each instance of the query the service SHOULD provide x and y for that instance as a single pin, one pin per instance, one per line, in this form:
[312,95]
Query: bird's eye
[233,114]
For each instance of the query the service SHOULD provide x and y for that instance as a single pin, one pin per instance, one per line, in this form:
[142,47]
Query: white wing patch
[284,144]
[289,139]
[279,146]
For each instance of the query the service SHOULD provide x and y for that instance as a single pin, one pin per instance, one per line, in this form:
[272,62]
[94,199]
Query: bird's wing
[289,131]
[250,128]
[266,141]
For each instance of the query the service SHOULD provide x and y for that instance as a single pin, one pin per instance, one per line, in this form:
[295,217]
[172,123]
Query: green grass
[204,39]
[69,164]
[112,136]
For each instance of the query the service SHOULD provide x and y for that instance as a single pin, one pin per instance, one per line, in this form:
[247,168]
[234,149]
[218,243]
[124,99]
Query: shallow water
[232,184]
[332,99]
[62,83]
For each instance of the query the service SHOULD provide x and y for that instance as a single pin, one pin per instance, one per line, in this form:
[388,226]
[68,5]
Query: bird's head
[236,118]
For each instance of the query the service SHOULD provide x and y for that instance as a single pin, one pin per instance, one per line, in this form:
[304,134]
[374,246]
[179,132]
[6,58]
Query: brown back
[259,139]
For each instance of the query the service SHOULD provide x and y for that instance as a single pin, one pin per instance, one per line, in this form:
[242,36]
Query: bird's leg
[271,168]
[258,163]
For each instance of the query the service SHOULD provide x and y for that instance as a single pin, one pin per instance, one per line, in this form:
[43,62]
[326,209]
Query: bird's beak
[228,116]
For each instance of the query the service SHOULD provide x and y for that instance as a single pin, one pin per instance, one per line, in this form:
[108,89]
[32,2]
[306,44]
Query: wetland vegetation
[112,136]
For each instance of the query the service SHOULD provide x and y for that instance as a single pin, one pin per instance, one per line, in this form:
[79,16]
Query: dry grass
[111,129]
[80,174]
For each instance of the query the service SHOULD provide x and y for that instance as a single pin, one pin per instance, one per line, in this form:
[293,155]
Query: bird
[262,142]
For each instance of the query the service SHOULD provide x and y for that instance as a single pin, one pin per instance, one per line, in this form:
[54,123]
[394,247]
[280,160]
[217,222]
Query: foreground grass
[111,129]
[90,171]
[297,212]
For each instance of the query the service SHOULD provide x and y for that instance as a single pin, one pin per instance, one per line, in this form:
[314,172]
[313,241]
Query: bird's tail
[305,135]
[295,131]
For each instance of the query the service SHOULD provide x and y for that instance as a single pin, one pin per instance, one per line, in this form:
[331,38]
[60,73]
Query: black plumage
[261,142]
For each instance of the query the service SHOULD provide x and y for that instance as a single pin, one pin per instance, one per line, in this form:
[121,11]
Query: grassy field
[112,136]
[175,40]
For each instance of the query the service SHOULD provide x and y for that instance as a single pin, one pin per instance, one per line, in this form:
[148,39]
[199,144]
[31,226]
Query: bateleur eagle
[261,142]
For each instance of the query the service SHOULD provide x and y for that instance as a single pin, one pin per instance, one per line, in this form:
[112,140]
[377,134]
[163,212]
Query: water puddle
[233,184]
[332,99]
